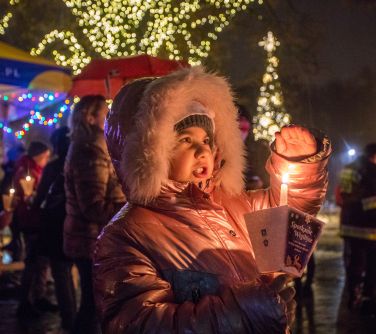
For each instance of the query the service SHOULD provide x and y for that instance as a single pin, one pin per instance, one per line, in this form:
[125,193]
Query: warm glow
[28,178]
[12,191]
[285,178]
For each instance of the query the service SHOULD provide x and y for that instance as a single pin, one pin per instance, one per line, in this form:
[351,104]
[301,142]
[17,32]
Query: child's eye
[185,140]
[207,141]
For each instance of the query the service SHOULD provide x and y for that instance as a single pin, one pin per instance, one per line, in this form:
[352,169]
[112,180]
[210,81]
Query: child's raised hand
[295,142]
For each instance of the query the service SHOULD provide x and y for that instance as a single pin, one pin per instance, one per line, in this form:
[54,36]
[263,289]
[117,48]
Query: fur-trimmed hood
[140,133]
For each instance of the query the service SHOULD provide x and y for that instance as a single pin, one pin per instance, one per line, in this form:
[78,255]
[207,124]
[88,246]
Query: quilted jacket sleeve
[91,181]
[308,181]
[132,297]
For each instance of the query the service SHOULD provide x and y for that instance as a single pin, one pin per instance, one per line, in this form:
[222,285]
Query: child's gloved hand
[286,293]
[295,142]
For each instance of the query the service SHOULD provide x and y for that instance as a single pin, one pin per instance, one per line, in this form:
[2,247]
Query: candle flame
[28,178]
[12,191]
[285,178]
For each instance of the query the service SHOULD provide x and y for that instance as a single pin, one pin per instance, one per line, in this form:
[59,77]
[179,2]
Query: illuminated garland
[271,114]
[78,58]
[128,27]
[6,18]
[35,116]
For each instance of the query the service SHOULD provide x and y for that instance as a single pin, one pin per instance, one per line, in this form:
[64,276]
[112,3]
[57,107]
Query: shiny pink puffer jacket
[168,268]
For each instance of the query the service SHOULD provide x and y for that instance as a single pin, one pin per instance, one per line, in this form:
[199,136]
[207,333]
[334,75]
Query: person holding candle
[28,172]
[177,257]
[15,247]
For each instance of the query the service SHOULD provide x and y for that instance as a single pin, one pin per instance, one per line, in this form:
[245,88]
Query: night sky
[349,43]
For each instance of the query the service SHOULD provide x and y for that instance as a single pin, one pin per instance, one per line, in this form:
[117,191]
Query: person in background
[34,277]
[15,247]
[356,194]
[50,199]
[178,258]
[93,196]
[252,180]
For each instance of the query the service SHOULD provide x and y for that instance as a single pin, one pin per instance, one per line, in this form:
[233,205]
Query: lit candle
[8,199]
[284,189]
[27,185]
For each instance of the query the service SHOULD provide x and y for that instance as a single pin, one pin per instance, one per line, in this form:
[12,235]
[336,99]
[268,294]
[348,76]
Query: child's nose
[201,151]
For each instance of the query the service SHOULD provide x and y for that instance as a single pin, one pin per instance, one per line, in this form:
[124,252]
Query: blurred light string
[35,115]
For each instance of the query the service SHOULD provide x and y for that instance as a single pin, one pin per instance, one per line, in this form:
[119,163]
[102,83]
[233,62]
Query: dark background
[327,60]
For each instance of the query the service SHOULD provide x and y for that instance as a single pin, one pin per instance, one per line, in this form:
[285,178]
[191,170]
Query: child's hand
[295,142]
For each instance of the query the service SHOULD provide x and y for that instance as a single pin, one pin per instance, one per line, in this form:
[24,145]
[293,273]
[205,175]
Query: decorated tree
[6,16]
[172,28]
[271,113]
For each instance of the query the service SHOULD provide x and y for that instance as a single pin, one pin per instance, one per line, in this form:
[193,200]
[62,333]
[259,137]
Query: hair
[60,141]
[35,148]
[370,150]
[88,105]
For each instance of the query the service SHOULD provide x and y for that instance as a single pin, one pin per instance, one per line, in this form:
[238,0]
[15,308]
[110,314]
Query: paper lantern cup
[7,202]
[27,186]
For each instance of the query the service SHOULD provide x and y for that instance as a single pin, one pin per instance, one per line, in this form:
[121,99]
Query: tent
[20,70]
[106,76]
[29,86]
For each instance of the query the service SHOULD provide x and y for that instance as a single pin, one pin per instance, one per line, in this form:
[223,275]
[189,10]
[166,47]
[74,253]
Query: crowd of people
[55,225]
[147,201]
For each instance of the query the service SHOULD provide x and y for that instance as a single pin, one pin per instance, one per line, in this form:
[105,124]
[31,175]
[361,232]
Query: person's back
[92,190]
[27,176]
[93,196]
[50,198]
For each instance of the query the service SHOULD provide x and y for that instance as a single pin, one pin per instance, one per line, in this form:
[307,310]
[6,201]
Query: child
[177,258]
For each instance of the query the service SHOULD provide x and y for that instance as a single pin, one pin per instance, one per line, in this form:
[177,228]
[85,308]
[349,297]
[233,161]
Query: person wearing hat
[34,277]
[50,199]
[177,258]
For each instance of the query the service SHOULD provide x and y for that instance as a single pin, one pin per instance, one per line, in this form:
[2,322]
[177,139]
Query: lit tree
[176,28]
[4,20]
[271,114]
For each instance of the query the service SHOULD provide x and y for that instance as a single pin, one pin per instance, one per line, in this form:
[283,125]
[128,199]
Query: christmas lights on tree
[180,29]
[6,18]
[271,114]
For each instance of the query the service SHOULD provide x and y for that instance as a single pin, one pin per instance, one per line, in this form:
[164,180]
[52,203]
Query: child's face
[193,158]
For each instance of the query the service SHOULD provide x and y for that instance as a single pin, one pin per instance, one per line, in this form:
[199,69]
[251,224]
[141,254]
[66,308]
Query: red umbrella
[107,76]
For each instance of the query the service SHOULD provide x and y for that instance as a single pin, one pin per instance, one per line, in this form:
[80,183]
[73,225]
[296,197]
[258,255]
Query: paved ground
[325,311]
[322,312]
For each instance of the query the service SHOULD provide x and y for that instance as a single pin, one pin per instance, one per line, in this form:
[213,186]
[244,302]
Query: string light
[78,58]
[123,28]
[4,21]
[35,116]
[271,114]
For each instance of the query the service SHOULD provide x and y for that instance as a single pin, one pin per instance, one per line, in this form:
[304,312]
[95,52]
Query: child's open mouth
[200,172]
